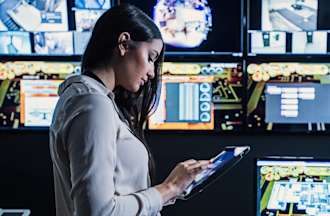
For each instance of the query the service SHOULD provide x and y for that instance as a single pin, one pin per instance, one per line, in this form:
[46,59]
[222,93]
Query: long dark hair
[135,107]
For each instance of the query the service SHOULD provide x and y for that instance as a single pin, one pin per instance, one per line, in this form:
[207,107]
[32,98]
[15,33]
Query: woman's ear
[123,41]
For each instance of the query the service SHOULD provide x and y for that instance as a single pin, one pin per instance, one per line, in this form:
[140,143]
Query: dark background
[27,181]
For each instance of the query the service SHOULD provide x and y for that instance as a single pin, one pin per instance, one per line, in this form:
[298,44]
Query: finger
[202,164]
[197,170]
[189,162]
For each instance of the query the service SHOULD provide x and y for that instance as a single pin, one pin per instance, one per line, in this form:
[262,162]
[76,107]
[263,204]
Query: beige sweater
[100,167]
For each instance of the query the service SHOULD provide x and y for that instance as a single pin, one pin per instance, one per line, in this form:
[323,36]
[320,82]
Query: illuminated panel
[295,103]
[33,16]
[286,15]
[38,100]
[15,43]
[182,23]
[42,77]
[288,97]
[293,187]
[197,27]
[288,27]
[185,104]
[53,43]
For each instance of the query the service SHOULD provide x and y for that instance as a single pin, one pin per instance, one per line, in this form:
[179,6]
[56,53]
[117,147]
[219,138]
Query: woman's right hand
[181,177]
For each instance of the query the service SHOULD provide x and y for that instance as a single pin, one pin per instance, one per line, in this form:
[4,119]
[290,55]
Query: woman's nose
[151,73]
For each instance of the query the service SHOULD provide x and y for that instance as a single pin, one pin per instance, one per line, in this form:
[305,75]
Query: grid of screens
[207,26]
[288,97]
[42,27]
[292,187]
[200,96]
[28,92]
[289,27]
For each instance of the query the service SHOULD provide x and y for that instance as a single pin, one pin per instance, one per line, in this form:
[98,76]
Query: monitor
[28,91]
[48,27]
[53,43]
[15,43]
[203,27]
[92,4]
[301,26]
[38,99]
[87,12]
[80,41]
[284,97]
[34,15]
[200,96]
[292,186]
[86,19]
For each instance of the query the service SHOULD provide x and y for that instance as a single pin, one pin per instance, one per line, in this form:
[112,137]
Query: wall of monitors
[238,66]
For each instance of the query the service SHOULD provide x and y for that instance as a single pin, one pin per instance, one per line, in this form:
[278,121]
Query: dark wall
[26,171]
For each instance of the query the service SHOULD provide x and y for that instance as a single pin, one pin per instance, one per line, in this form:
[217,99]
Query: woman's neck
[107,76]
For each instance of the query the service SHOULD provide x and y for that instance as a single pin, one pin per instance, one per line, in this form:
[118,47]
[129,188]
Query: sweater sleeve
[91,143]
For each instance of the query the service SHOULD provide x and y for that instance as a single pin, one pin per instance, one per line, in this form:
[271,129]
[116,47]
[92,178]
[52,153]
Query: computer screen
[15,43]
[53,43]
[289,27]
[28,91]
[87,12]
[48,27]
[34,15]
[205,26]
[200,96]
[292,187]
[288,97]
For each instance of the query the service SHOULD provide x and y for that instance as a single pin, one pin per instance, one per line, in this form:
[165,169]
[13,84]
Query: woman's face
[137,66]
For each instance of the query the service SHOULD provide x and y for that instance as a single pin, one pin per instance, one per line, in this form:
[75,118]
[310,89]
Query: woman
[101,160]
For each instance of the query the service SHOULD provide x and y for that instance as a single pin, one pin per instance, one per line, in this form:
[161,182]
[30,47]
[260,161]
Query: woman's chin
[135,89]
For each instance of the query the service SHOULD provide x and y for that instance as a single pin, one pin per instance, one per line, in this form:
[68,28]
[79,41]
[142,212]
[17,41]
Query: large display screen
[200,96]
[205,26]
[292,187]
[288,97]
[13,43]
[289,27]
[28,91]
[34,15]
[48,27]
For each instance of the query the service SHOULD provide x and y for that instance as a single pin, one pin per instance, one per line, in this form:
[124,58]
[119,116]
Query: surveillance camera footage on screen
[48,27]
[196,26]
[183,23]
[289,27]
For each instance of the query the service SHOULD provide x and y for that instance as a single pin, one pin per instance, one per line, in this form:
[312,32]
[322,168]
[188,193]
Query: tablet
[221,163]
[14,212]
